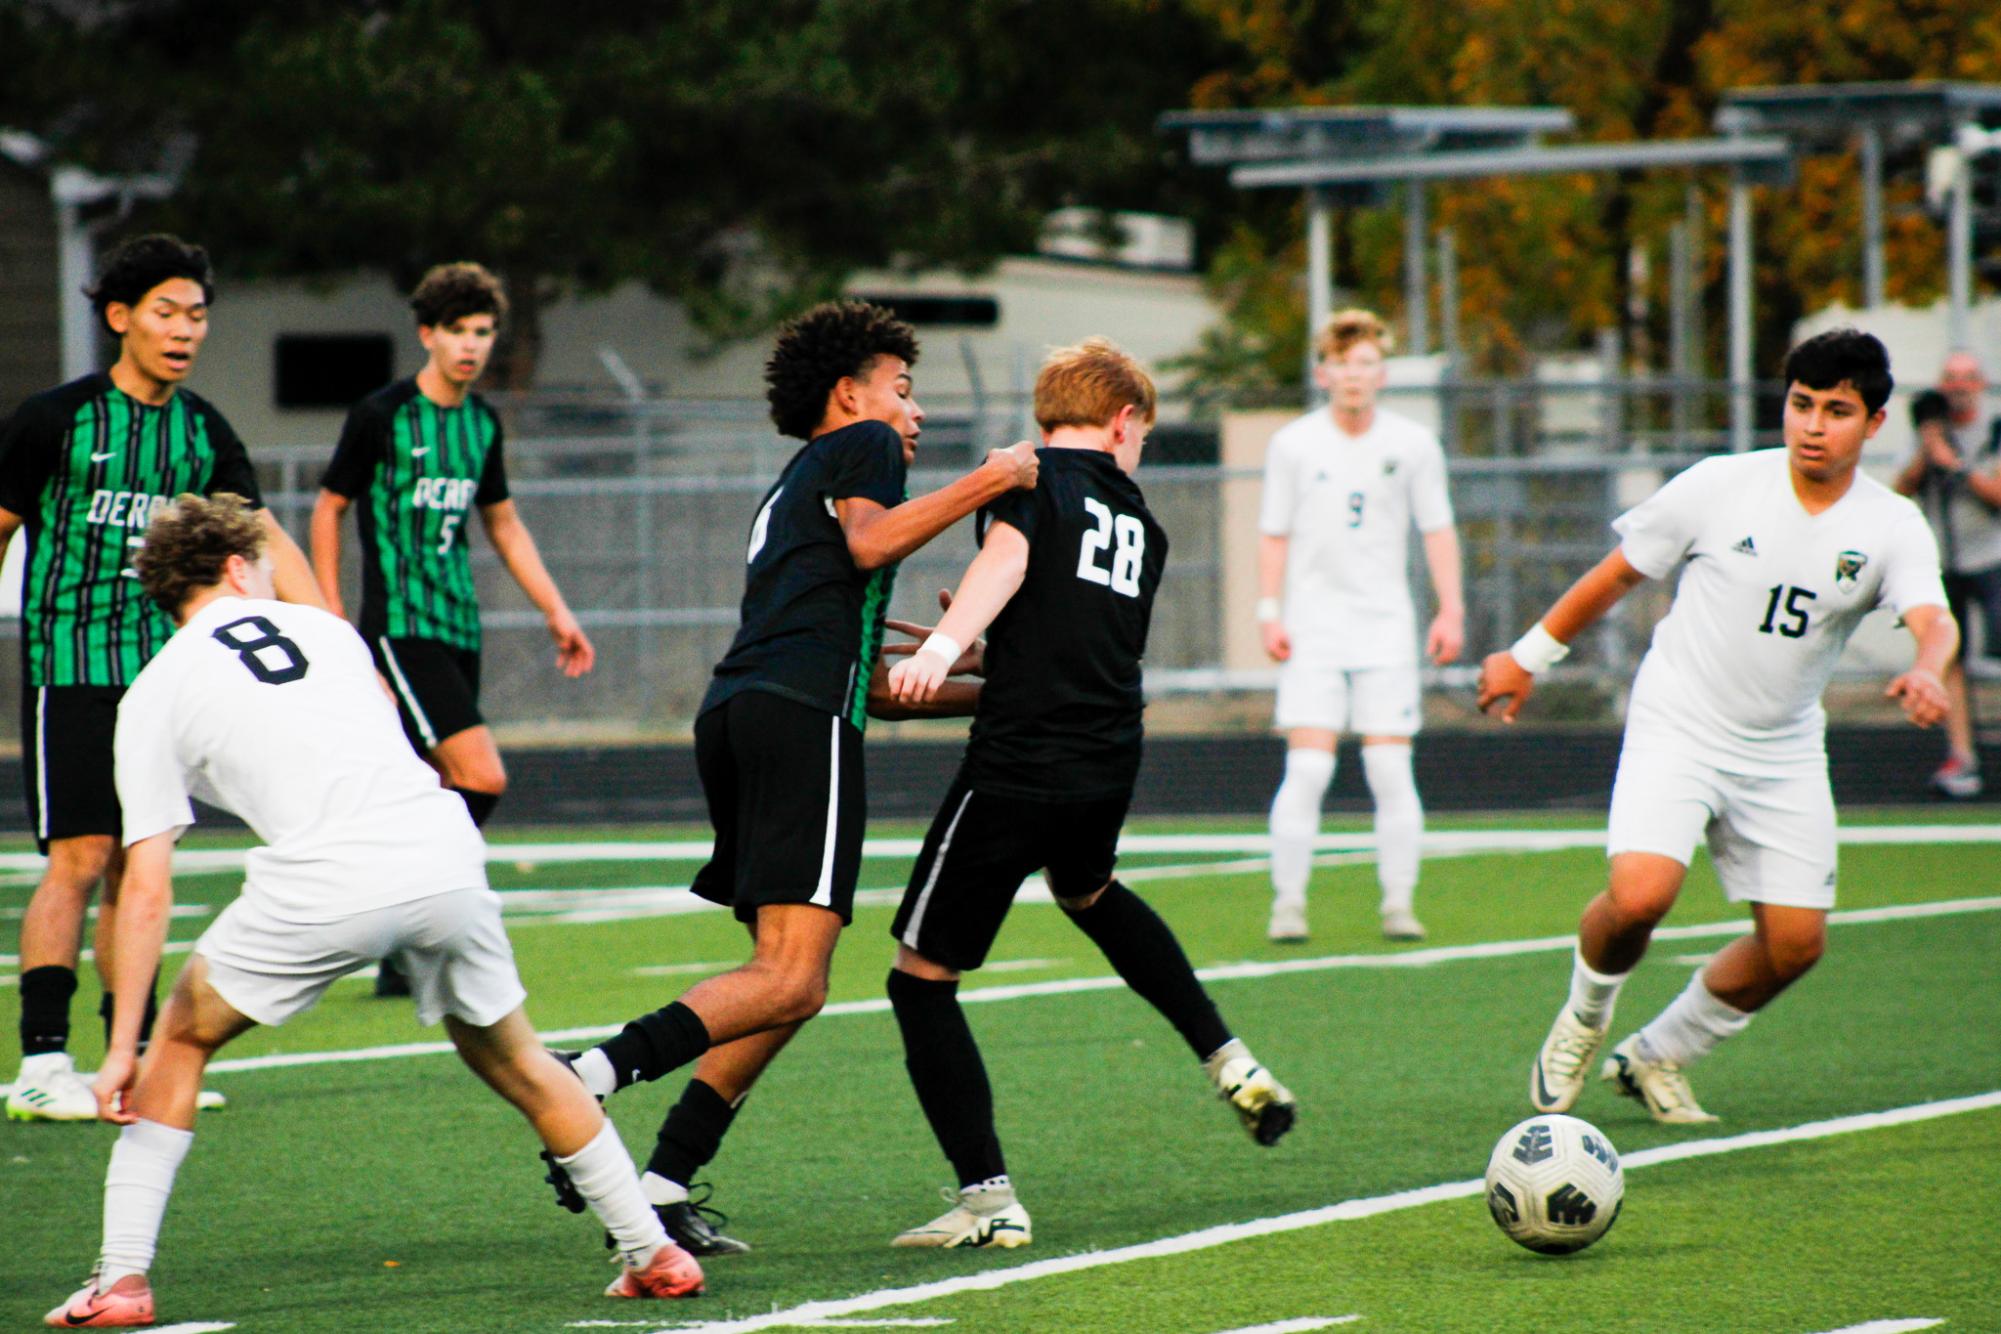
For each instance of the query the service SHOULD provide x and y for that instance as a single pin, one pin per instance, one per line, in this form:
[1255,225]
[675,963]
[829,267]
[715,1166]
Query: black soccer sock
[655,1044]
[106,1005]
[691,1134]
[1145,953]
[946,1070]
[480,804]
[45,997]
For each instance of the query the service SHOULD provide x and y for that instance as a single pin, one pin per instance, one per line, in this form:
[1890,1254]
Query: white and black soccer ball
[1554,1184]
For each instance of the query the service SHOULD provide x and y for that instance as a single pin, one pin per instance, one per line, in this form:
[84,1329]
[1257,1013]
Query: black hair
[1930,406]
[816,350]
[1843,356]
[143,263]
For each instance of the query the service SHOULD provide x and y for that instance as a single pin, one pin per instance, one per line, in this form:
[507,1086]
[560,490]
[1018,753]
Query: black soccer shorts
[980,848]
[436,687]
[66,736]
[786,795]
[1980,589]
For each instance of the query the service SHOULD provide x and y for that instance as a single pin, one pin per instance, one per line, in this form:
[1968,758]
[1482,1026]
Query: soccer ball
[1554,1184]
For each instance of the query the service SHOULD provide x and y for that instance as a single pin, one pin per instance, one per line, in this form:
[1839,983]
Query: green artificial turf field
[391,1192]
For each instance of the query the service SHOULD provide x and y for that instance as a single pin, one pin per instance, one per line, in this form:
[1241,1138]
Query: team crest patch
[1848,568]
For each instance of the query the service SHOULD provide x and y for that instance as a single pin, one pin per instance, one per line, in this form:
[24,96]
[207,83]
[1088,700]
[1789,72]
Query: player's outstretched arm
[990,581]
[1510,674]
[879,537]
[323,536]
[523,559]
[1447,636]
[139,937]
[290,574]
[1921,690]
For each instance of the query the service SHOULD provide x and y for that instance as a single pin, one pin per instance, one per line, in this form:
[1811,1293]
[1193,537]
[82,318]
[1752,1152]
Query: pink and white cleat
[672,1272]
[125,1303]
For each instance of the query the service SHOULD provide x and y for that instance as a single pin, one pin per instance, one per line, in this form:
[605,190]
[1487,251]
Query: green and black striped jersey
[417,470]
[85,467]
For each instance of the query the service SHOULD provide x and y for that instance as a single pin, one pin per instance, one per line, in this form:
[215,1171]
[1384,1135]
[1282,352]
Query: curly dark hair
[189,542]
[450,292]
[1843,356]
[143,263]
[814,352]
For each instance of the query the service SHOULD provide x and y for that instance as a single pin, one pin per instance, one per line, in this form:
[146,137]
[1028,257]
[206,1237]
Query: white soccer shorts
[451,946]
[1368,701]
[1772,840]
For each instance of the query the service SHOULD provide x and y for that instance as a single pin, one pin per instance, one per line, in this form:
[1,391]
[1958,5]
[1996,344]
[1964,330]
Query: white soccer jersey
[1346,505]
[1769,596]
[274,711]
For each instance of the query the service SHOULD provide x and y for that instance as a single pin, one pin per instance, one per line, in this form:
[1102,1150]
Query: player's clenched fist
[1019,459]
[1501,677]
[1922,694]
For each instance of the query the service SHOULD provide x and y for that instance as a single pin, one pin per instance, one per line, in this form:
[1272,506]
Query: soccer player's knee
[1794,953]
[799,996]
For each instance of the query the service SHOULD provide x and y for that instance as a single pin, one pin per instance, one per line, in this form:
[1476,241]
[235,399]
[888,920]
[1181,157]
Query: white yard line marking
[1888,1326]
[1334,1213]
[1221,972]
[195,1327]
[1298,1326]
[678,969]
[1436,842]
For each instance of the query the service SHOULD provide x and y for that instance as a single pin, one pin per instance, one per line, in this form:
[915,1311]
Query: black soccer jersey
[86,467]
[422,468]
[812,620]
[1059,714]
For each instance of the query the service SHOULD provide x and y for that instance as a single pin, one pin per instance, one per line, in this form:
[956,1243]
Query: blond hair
[1087,384]
[1345,328]
[190,541]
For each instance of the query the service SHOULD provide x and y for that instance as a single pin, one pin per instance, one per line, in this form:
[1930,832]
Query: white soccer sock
[136,1188]
[1399,822]
[603,1174]
[595,1069]
[662,1190]
[1692,1025]
[1295,820]
[1592,993]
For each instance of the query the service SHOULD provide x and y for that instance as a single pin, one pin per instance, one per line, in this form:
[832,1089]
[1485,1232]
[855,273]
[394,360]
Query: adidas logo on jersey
[1746,547]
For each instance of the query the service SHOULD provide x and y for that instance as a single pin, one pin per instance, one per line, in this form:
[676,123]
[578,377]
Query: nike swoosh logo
[99,458]
[71,1318]
[1543,1097]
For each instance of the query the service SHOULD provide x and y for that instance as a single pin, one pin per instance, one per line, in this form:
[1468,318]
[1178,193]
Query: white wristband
[1538,650]
[1267,609]
[943,645]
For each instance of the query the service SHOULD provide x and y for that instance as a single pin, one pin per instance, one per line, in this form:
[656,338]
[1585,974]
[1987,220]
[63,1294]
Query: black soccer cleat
[696,1228]
[567,1193]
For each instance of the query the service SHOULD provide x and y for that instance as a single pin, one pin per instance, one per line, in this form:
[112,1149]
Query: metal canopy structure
[1359,167]
[1873,117]
[1315,135]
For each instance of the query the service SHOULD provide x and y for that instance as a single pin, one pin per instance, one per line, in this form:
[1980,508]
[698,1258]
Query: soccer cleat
[981,1215]
[672,1272]
[567,1194]
[696,1228]
[1958,778]
[1288,922]
[1659,1084]
[126,1303]
[1401,924]
[209,1100]
[1265,1106]
[1558,1074]
[49,1089]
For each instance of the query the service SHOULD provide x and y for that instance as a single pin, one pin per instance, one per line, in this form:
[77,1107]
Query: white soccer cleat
[1288,922]
[209,1100]
[1265,1106]
[1558,1074]
[1402,924]
[1659,1084]
[49,1089]
[981,1215]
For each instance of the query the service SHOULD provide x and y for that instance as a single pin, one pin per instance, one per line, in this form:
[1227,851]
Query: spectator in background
[1955,475]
